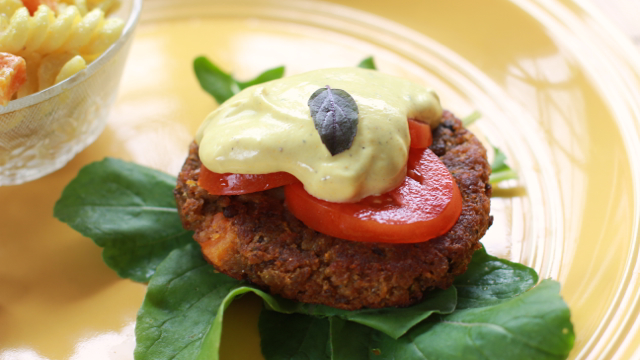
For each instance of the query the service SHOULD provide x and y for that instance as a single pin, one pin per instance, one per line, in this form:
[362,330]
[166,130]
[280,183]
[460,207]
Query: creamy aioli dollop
[268,128]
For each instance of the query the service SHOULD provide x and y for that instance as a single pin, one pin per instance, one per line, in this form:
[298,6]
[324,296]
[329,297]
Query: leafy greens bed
[493,311]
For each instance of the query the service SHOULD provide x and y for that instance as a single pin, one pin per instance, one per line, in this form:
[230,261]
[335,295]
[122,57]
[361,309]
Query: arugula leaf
[495,304]
[268,75]
[532,326]
[471,118]
[221,85]
[490,280]
[293,336]
[184,299]
[368,64]
[216,82]
[127,209]
[391,321]
[183,311]
[500,171]
[211,342]
[498,160]
[168,315]
[352,341]
[489,283]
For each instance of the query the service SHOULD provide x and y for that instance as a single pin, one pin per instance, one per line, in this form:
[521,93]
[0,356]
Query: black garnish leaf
[335,116]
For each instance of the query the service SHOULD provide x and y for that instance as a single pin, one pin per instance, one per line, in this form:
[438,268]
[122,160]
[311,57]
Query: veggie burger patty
[254,237]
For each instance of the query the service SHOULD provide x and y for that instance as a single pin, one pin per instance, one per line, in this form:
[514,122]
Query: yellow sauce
[268,128]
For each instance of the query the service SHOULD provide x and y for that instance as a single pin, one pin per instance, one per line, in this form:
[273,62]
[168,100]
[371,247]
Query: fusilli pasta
[57,43]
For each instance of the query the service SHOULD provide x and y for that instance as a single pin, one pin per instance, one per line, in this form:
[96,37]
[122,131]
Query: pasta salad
[43,42]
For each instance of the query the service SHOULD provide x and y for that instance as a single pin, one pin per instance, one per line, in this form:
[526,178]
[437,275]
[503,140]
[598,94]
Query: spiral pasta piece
[80,4]
[85,30]
[43,72]
[70,68]
[102,39]
[58,43]
[46,33]
[14,36]
[60,30]
[9,7]
[38,28]
[107,6]
[50,67]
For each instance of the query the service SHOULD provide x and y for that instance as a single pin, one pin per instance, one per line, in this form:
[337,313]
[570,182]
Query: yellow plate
[558,87]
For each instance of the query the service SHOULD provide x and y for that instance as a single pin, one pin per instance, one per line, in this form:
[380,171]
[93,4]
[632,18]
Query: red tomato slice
[421,137]
[237,184]
[425,206]
[13,74]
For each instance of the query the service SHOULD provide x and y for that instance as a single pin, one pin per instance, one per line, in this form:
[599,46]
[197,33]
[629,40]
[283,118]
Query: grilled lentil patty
[254,237]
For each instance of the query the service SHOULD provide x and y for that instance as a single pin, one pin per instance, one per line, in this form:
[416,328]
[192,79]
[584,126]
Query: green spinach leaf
[216,82]
[353,341]
[211,342]
[221,85]
[532,326]
[183,311]
[127,209]
[184,301]
[471,118]
[268,75]
[368,64]
[295,336]
[490,280]
[500,171]
[391,321]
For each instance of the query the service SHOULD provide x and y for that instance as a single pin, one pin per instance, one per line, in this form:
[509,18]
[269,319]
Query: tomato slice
[425,206]
[13,74]
[237,184]
[421,137]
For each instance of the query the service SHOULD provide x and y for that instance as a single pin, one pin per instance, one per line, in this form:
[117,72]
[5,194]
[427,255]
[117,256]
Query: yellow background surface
[546,73]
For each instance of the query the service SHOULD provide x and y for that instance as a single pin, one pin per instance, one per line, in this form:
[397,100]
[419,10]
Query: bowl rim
[18,104]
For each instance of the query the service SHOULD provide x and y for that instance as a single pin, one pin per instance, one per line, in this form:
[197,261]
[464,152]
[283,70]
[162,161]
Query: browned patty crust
[254,237]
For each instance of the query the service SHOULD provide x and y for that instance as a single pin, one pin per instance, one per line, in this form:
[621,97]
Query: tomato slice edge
[421,136]
[337,219]
[238,184]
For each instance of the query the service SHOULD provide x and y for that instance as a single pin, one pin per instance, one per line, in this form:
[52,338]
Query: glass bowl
[40,133]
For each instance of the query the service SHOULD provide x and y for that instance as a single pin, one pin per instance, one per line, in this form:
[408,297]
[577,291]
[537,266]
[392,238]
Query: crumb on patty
[254,237]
